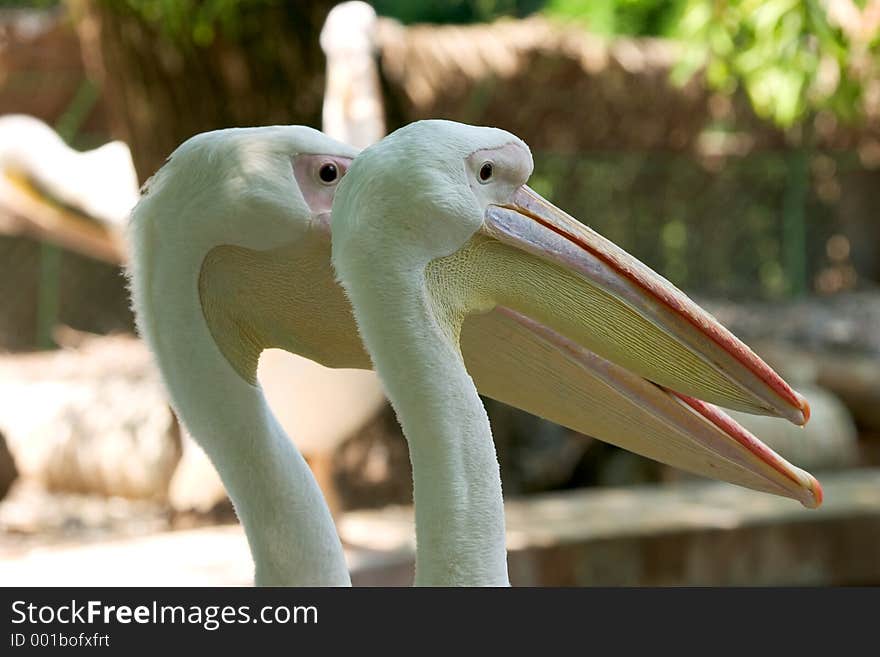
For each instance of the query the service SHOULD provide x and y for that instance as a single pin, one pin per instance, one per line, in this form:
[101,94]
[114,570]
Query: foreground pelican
[433,227]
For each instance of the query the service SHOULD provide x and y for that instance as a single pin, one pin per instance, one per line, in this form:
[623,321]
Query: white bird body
[434,226]
[352,109]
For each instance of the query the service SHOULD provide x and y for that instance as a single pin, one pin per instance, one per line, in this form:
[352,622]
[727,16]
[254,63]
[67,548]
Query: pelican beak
[564,275]
[522,362]
[582,333]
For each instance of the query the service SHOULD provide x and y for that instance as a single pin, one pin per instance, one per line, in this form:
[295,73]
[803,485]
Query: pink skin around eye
[317,194]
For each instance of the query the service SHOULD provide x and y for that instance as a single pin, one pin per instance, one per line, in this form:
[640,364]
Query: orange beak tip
[818,495]
[804,406]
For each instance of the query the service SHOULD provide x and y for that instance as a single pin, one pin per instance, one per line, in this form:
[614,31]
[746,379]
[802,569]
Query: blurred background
[734,146]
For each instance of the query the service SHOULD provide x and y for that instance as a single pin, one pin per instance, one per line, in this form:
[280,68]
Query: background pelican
[82,200]
[434,224]
[91,192]
[212,240]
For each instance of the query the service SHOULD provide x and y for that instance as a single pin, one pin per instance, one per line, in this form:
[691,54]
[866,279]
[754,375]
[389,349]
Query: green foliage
[454,11]
[787,55]
[192,21]
[199,21]
[609,17]
[28,4]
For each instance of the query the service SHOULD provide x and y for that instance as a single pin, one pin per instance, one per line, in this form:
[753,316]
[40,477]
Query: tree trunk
[161,89]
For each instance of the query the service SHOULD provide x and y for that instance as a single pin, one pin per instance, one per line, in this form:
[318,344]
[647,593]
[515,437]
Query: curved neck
[456,481]
[288,525]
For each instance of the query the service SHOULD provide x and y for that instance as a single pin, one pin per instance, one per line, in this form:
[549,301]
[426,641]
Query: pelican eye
[486,172]
[328,172]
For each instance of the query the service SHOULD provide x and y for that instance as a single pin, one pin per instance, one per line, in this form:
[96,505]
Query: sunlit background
[733,145]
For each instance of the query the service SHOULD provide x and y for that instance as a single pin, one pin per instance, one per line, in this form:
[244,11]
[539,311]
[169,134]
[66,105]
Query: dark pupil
[328,173]
[486,171]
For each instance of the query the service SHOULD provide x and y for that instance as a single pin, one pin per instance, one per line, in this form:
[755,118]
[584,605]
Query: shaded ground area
[31,517]
[699,533]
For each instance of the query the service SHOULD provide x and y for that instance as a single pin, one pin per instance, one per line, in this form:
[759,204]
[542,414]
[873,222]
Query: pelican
[230,256]
[79,199]
[435,234]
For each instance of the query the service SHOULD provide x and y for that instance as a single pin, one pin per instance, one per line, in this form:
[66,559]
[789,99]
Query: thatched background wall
[563,89]
[558,88]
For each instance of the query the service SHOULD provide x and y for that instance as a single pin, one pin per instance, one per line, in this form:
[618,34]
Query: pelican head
[276,181]
[247,211]
[430,186]
[443,210]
